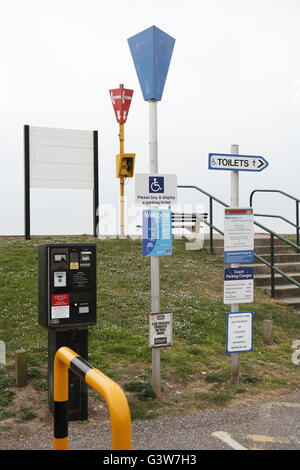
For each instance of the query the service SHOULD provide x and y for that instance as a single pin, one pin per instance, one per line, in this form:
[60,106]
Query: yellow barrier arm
[112,393]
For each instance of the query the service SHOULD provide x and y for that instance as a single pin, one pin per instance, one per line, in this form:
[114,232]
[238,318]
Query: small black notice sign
[80,279]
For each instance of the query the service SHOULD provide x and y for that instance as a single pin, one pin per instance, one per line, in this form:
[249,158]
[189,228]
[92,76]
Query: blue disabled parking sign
[156,184]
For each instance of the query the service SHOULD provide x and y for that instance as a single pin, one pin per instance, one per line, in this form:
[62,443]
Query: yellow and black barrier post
[112,393]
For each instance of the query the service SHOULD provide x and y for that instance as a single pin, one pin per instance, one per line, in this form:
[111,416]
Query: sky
[234,78]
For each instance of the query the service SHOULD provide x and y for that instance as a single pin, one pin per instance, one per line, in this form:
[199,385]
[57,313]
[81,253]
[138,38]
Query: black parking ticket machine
[67,285]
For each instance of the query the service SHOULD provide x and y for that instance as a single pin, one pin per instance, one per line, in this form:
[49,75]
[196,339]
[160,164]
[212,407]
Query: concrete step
[260,249]
[262,280]
[282,257]
[290,291]
[258,241]
[292,302]
[260,268]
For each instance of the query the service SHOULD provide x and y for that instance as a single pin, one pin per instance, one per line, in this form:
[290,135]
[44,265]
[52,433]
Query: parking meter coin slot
[74,260]
[60,258]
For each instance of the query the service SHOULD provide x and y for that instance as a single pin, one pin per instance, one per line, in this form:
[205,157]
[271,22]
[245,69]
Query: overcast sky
[234,78]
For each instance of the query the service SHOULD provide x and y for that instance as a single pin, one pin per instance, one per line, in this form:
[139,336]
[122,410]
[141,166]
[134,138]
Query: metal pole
[155,286]
[211,231]
[297,223]
[122,181]
[96,186]
[26,183]
[234,202]
[272,265]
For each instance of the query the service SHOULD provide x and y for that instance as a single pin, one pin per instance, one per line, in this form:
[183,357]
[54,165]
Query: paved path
[271,425]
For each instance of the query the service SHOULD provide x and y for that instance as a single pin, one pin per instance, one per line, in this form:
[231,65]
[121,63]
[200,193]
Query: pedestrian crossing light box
[67,285]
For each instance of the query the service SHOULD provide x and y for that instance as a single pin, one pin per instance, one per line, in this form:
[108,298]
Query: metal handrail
[278,217]
[272,234]
[286,195]
[112,393]
[272,191]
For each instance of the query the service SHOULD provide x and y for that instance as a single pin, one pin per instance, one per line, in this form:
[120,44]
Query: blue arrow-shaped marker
[151,52]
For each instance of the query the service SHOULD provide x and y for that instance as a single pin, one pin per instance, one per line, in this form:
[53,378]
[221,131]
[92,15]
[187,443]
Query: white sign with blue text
[238,285]
[238,235]
[224,161]
[157,232]
[239,332]
[157,190]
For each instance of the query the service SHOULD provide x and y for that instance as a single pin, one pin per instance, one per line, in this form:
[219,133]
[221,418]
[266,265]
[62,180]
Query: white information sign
[61,158]
[158,190]
[238,235]
[238,285]
[60,312]
[160,330]
[239,332]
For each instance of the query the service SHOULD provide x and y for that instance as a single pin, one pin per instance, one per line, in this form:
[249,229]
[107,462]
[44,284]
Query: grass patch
[35,373]
[6,397]
[40,384]
[6,381]
[26,414]
[217,377]
[5,414]
[142,390]
[140,412]
[212,398]
[191,288]
[250,379]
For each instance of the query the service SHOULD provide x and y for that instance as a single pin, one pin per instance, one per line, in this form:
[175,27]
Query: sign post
[155,285]
[238,248]
[234,202]
[121,100]
[151,52]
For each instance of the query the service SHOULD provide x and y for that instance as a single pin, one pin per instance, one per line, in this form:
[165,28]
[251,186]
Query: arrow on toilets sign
[220,161]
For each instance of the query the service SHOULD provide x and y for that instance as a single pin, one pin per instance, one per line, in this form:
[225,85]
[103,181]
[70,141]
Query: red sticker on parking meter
[121,100]
[60,306]
[60,300]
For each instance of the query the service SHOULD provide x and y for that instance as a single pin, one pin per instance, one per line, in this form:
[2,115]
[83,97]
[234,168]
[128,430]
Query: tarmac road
[272,425]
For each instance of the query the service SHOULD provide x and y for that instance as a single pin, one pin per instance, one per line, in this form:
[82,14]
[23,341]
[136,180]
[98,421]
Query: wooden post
[267,331]
[2,353]
[21,368]
[235,368]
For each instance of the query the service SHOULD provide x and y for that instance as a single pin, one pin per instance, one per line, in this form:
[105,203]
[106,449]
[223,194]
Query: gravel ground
[268,425]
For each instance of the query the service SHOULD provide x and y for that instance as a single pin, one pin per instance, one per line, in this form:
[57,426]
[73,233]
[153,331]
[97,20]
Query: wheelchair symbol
[156,184]
[155,187]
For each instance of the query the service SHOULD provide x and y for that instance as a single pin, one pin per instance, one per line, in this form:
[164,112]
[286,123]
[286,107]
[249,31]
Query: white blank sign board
[61,158]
